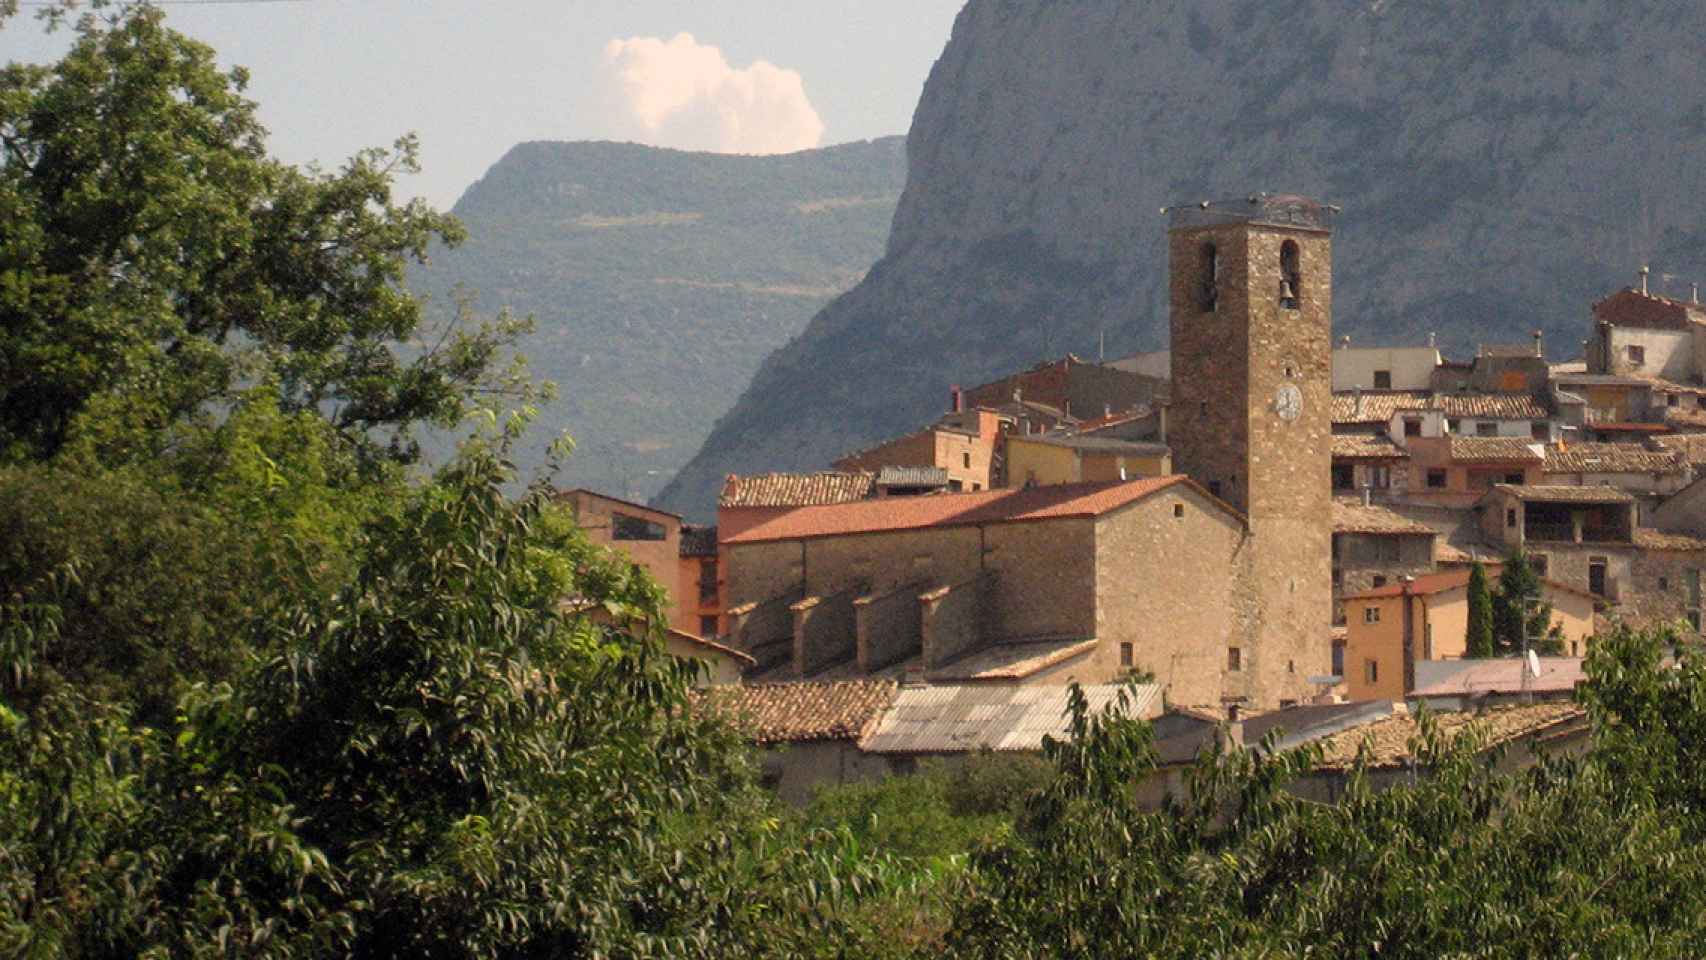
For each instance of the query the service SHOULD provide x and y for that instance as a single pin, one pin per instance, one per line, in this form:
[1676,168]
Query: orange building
[1390,629]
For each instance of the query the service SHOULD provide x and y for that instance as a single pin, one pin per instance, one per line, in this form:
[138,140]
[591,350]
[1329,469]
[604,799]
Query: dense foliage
[1479,632]
[1522,617]
[153,258]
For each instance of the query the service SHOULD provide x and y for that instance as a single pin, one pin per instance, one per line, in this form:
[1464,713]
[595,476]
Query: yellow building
[1391,628]
[1044,460]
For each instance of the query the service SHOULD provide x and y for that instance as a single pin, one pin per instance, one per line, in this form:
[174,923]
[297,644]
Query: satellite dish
[1533,663]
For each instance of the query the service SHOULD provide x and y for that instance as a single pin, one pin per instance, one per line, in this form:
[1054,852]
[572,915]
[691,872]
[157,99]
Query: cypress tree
[1480,639]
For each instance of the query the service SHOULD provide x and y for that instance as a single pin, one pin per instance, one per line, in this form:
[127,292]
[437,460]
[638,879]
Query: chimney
[1358,407]
[1345,342]
[1537,350]
[1694,293]
[1644,271]
[1107,410]
[956,399]
[1368,495]
[1161,421]
[1231,736]
[1433,339]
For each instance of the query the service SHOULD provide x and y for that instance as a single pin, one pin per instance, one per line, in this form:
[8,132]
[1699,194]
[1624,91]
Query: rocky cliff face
[1500,166]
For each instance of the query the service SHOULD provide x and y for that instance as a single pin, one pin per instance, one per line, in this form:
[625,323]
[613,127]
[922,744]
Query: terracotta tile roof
[962,509]
[1494,450]
[1352,516]
[1361,447]
[1493,406]
[1379,406]
[1632,308]
[1557,493]
[1649,539]
[1389,739]
[698,541]
[1692,446]
[1015,660]
[795,489]
[801,712]
[1691,419]
[1611,458]
[1430,584]
[1672,386]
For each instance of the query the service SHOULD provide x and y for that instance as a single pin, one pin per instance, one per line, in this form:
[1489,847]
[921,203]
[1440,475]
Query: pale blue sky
[474,78]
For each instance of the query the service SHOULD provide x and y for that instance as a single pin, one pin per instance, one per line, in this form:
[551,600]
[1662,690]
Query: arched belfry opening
[1291,276]
[1208,281]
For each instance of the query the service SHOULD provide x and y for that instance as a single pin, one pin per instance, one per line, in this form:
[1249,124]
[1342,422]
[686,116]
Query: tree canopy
[152,256]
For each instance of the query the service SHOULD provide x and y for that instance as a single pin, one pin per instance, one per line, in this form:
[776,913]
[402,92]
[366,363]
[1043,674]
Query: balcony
[1593,533]
[1555,532]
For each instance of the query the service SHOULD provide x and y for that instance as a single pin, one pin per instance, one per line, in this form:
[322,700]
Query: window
[1178,511]
[1370,614]
[956,486]
[1378,581]
[1436,479]
[707,626]
[1291,276]
[1510,516]
[1670,399]
[1540,431]
[1412,427]
[1664,583]
[1382,379]
[1539,562]
[975,486]
[1486,428]
[1234,659]
[624,527]
[1344,477]
[1453,425]
[1514,479]
[1637,355]
[1380,478]
[1371,671]
[965,460]
[1125,654]
[1208,283]
[1700,401]
[1596,576]
[1338,659]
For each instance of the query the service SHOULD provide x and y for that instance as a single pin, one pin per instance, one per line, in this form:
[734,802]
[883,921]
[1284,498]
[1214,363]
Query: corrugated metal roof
[957,719]
[912,477]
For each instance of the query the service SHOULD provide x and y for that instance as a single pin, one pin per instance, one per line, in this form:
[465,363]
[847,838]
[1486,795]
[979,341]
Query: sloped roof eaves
[1380,406]
[1355,447]
[960,718]
[1096,444]
[1389,738]
[1649,539]
[745,659]
[1060,502]
[1351,516]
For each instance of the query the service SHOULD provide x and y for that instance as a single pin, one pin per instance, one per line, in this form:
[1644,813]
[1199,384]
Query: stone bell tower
[1250,294]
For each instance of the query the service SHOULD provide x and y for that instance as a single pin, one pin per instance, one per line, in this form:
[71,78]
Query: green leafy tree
[152,254]
[1480,635]
[1520,611]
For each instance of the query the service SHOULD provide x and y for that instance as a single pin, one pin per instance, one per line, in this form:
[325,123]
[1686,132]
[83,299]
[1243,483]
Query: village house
[1052,458]
[1393,628]
[963,443]
[648,537]
[1076,388]
[1374,546]
[1384,368]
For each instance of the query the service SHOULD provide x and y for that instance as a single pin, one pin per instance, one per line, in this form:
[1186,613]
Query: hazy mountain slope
[660,279]
[1500,166]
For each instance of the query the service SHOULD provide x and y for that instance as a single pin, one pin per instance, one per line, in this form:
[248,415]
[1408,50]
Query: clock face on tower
[1288,402]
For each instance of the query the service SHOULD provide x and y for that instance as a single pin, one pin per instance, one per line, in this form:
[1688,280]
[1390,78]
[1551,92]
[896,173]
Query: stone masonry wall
[889,627]
[824,631]
[954,620]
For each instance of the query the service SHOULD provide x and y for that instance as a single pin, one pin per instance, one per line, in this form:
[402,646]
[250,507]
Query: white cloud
[684,94]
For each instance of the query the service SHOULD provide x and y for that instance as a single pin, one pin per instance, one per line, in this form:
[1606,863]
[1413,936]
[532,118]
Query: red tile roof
[1632,308]
[1379,406]
[1360,447]
[1493,450]
[1649,539]
[795,489]
[963,509]
[1612,458]
[801,712]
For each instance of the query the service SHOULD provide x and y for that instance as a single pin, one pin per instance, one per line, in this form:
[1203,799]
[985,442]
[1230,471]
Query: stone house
[1077,388]
[1044,585]
[1456,471]
[1374,546]
[1393,628]
[1581,536]
[1371,465]
[1652,473]
[807,733]
[1638,334]
[723,664]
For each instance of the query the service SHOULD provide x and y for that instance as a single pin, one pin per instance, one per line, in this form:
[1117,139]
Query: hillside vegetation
[659,279]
